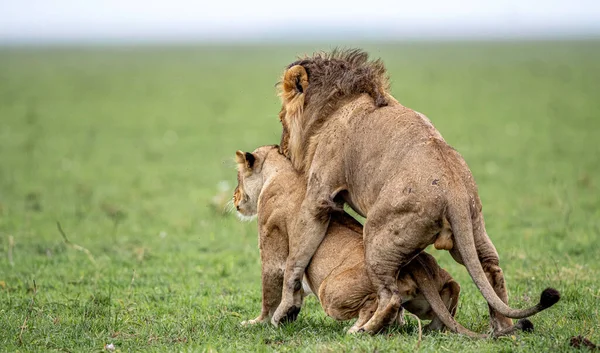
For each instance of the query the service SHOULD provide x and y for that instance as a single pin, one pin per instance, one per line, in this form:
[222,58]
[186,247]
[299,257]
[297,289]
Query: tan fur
[354,142]
[337,272]
[293,78]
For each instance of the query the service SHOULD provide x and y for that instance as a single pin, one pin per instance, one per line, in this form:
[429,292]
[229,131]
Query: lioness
[354,142]
[269,186]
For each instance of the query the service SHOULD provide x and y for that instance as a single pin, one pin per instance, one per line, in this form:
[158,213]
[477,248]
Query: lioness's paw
[252,322]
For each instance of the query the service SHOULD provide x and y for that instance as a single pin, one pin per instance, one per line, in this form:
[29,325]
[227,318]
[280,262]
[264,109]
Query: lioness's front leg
[260,319]
[273,254]
[272,283]
[309,230]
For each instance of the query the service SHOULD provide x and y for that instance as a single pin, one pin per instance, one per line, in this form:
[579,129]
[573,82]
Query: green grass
[126,149]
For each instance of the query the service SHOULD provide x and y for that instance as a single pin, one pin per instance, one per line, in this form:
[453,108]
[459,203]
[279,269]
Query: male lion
[354,142]
[269,186]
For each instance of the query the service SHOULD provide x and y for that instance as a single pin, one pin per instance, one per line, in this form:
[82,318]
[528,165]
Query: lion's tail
[441,311]
[462,227]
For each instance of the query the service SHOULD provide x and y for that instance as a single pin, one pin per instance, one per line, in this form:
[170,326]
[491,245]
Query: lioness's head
[250,180]
[312,88]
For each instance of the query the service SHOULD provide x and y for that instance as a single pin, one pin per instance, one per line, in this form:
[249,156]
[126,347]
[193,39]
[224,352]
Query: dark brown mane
[343,73]
[333,77]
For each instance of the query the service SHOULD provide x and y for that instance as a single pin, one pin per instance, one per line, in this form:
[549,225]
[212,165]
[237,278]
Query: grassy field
[131,149]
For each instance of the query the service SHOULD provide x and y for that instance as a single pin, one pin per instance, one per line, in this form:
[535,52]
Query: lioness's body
[354,142]
[338,275]
[269,187]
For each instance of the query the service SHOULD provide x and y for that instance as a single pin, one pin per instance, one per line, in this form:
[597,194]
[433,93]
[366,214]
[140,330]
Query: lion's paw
[290,316]
[355,330]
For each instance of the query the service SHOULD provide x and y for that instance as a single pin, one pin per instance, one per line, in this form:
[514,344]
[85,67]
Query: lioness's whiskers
[229,207]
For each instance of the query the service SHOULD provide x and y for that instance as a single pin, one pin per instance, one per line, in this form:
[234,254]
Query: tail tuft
[549,297]
[525,325]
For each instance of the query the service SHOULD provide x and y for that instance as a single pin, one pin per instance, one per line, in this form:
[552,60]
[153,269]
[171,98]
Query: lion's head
[312,88]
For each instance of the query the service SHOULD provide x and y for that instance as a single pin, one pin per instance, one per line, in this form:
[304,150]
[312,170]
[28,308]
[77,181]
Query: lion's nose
[237,207]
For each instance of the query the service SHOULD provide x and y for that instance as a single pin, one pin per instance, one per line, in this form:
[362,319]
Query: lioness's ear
[245,158]
[295,81]
[239,157]
[249,160]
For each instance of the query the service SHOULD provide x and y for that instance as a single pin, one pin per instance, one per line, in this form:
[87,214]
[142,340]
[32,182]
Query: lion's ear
[295,81]
[245,158]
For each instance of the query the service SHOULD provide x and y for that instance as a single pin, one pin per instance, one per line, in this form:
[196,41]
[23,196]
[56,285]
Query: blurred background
[120,120]
[133,21]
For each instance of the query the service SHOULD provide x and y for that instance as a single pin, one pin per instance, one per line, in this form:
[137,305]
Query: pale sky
[200,20]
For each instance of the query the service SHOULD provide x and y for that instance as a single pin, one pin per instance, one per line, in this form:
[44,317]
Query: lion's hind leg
[388,247]
[488,257]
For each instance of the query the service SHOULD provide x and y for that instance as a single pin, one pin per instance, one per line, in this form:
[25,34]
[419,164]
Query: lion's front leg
[323,184]
[306,236]
[309,231]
